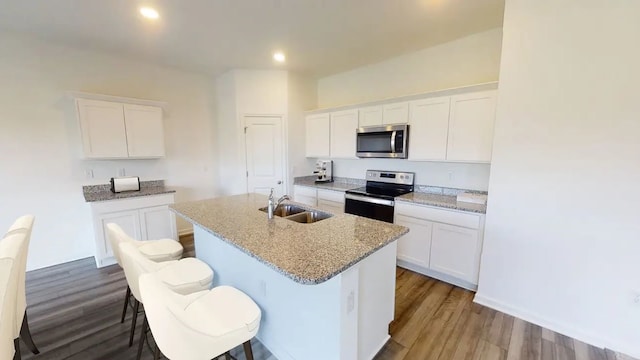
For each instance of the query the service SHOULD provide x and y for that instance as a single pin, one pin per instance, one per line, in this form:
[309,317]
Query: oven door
[369,207]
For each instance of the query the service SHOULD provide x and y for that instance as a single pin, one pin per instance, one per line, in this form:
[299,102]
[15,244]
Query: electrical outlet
[451,176]
[635,297]
[121,172]
[88,173]
[351,302]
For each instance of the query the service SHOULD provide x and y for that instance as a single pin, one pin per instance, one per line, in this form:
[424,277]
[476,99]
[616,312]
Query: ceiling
[319,37]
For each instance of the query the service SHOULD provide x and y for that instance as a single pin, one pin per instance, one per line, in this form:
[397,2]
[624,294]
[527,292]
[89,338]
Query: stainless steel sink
[298,214]
[309,217]
[285,210]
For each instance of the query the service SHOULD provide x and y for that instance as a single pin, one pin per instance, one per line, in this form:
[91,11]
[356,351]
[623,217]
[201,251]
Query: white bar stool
[156,250]
[183,276]
[23,225]
[201,325]
[8,287]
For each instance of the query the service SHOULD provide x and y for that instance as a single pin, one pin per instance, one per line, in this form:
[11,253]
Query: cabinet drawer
[443,216]
[304,191]
[137,202]
[330,195]
[332,207]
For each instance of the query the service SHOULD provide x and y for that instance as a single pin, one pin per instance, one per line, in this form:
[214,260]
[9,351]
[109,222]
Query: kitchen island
[326,289]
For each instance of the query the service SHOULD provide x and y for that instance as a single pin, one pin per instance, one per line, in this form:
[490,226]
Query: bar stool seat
[161,249]
[186,276]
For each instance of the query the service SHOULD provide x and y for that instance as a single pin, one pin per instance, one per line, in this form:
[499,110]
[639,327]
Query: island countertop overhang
[306,253]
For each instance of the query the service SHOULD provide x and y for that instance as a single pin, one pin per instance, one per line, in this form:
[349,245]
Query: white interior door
[265,150]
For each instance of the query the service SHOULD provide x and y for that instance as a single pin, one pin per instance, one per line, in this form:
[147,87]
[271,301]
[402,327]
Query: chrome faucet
[272,205]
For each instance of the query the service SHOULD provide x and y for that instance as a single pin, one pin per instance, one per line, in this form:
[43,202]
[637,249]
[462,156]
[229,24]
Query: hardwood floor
[74,312]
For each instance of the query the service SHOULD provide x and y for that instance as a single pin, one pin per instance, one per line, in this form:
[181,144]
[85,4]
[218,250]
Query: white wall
[260,92]
[470,60]
[453,175]
[562,240]
[239,93]
[41,170]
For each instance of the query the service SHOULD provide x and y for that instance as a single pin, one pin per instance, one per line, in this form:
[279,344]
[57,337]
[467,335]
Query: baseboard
[558,327]
[185,231]
[379,348]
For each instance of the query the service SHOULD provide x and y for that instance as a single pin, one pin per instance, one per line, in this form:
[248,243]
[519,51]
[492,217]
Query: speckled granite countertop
[443,201]
[306,253]
[339,184]
[103,192]
[423,194]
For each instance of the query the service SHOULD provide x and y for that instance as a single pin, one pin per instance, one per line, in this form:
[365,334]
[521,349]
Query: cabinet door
[397,113]
[455,251]
[331,207]
[129,221]
[305,195]
[370,116]
[145,131]
[415,246]
[317,135]
[471,125]
[158,222]
[429,120]
[103,130]
[343,134]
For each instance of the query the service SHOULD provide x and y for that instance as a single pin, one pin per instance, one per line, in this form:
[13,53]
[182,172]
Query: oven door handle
[369,199]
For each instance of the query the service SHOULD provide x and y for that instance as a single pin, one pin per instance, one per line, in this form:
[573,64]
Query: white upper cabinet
[317,135]
[112,130]
[397,113]
[471,124]
[343,134]
[103,130]
[145,131]
[370,116]
[429,121]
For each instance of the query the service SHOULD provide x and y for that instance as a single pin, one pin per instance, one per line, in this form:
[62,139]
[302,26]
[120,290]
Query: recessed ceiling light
[149,13]
[279,57]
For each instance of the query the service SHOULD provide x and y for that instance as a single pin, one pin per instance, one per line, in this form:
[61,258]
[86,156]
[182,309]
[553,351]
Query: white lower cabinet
[305,195]
[455,251]
[444,244]
[331,201]
[415,247]
[143,218]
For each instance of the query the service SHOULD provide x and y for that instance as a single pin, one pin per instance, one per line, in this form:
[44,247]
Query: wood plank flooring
[74,313]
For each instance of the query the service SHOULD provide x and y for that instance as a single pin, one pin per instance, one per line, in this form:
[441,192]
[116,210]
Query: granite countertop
[423,195]
[103,192]
[443,201]
[339,184]
[306,253]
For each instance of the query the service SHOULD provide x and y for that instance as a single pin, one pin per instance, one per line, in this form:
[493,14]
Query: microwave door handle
[393,141]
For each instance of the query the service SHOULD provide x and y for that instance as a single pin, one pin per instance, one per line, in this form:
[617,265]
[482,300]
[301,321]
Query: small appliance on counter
[324,171]
[121,184]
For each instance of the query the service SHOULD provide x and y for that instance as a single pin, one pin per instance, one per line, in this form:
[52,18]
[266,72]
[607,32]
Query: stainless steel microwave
[383,141]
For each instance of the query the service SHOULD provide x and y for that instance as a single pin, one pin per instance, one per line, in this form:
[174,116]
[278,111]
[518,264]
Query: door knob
[279,182]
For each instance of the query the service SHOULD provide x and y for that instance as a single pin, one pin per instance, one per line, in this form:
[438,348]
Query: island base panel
[345,317]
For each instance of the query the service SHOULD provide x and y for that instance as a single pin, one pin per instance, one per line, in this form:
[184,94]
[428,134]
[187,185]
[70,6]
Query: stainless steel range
[377,199]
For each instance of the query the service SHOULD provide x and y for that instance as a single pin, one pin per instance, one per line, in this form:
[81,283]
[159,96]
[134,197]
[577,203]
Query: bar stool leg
[145,326]
[16,347]
[25,335]
[126,304]
[248,353]
[136,306]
